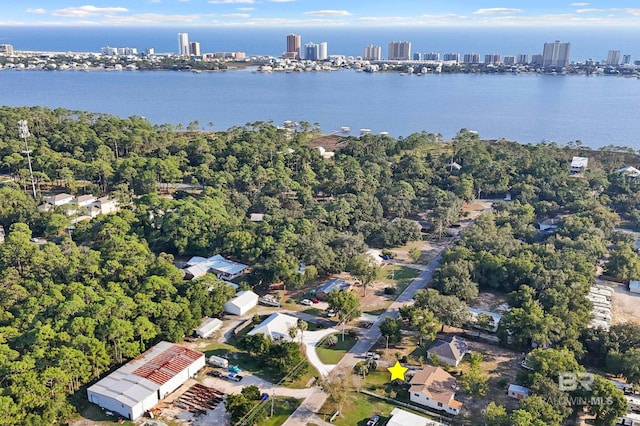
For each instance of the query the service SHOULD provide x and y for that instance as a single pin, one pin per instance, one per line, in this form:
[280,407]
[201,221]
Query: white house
[225,269]
[276,327]
[578,165]
[449,351]
[629,171]
[493,326]
[401,417]
[138,385]
[59,199]
[517,392]
[85,200]
[242,303]
[634,286]
[207,327]
[435,388]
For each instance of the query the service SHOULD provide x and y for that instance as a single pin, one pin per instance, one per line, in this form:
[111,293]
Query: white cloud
[496,11]
[580,4]
[151,18]
[246,9]
[281,1]
[592,10]
[86,11]
[634,12]
[328,13]
[236,15]
[38,11]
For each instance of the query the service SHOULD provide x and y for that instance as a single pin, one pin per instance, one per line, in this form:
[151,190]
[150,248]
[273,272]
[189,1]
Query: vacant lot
[624,305]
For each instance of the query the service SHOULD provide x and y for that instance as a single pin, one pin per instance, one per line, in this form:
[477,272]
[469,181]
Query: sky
[323,13]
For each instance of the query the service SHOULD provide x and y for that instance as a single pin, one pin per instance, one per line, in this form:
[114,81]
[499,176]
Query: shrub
[389,290]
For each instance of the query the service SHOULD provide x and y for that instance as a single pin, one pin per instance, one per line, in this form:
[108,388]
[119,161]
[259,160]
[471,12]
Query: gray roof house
[449,351]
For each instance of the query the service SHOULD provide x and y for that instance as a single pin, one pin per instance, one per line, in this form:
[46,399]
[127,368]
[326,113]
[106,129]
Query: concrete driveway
[310,339]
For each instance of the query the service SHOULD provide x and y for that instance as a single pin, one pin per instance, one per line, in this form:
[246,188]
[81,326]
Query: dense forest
[76,306]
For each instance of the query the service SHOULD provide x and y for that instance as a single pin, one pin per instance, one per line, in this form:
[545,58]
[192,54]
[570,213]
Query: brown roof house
[435,388]
[449,351]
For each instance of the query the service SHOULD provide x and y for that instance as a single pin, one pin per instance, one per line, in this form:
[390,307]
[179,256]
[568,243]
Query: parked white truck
[218,361]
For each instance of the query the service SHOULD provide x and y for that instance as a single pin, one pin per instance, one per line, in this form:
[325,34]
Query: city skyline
[331,13]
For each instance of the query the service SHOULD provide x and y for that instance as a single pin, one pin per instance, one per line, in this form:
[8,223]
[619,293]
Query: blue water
[585,42]
[528,108]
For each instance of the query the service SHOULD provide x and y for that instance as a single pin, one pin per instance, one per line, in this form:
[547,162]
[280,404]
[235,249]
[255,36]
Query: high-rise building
[523,58]
[417,56]
[431,56]
[151,51]
[471,58]
[613,57]
[556,54]
[323,53]
[6,49]
[294,46]
[492,58]
[372,53]
[194,48]
[626,59]
[399,51]
[452,57]
[316,51]
[183,44]
[536,59]
[509,60]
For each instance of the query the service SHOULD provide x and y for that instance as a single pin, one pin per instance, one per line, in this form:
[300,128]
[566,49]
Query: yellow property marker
[397,371]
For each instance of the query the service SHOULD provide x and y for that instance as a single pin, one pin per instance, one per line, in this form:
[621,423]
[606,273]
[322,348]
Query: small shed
[517,392]
[242,303]
[634,286]
[207,327]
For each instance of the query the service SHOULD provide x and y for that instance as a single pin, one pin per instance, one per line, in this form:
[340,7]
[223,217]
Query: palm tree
[302,326]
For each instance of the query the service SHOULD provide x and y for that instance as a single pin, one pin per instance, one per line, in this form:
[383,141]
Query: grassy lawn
[283,408]
[333,355]
[257,367]
[399,277]
[358,409]
[314,311]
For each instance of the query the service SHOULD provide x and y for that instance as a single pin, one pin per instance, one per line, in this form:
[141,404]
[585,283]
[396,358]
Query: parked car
[373,355]
[373,421]
[315,300]
[214,373]
[233,377]
[331,313]
[306,302]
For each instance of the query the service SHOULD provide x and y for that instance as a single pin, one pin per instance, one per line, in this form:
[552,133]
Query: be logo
[568,381]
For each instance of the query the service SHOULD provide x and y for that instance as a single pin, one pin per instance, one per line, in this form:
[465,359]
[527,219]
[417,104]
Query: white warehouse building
[140,384]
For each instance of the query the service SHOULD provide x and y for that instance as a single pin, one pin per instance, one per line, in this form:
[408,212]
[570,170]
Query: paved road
[306,412]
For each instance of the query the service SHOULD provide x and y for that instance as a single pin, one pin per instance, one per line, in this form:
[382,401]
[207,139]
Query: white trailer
[218,361]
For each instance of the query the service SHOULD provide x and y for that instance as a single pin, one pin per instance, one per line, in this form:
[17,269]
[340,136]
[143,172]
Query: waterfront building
[294,46]
[536,59]
[183,44]
[431,56]
[492,58]
[324,51]
[626,59]
[109,51]
[451,57]
[399,51]
[372,53]
[311,51]
[114,51]
[417,56]
[150,51]
[194,48]
[613,57]
[523,58]
[556,54]
[6,49]
[471,58]
[509,60]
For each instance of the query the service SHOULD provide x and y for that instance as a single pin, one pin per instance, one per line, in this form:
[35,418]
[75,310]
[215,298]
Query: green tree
[496,415]
[345,304]
[624,263]
[607,402]
[475,382]
[391,329]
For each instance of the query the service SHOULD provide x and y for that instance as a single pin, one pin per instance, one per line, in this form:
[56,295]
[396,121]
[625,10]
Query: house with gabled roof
[449,351]
[435,388]
[333,284]
[276,327]
[578,165]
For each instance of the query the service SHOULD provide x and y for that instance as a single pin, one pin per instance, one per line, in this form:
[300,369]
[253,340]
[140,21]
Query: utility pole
[24,134]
